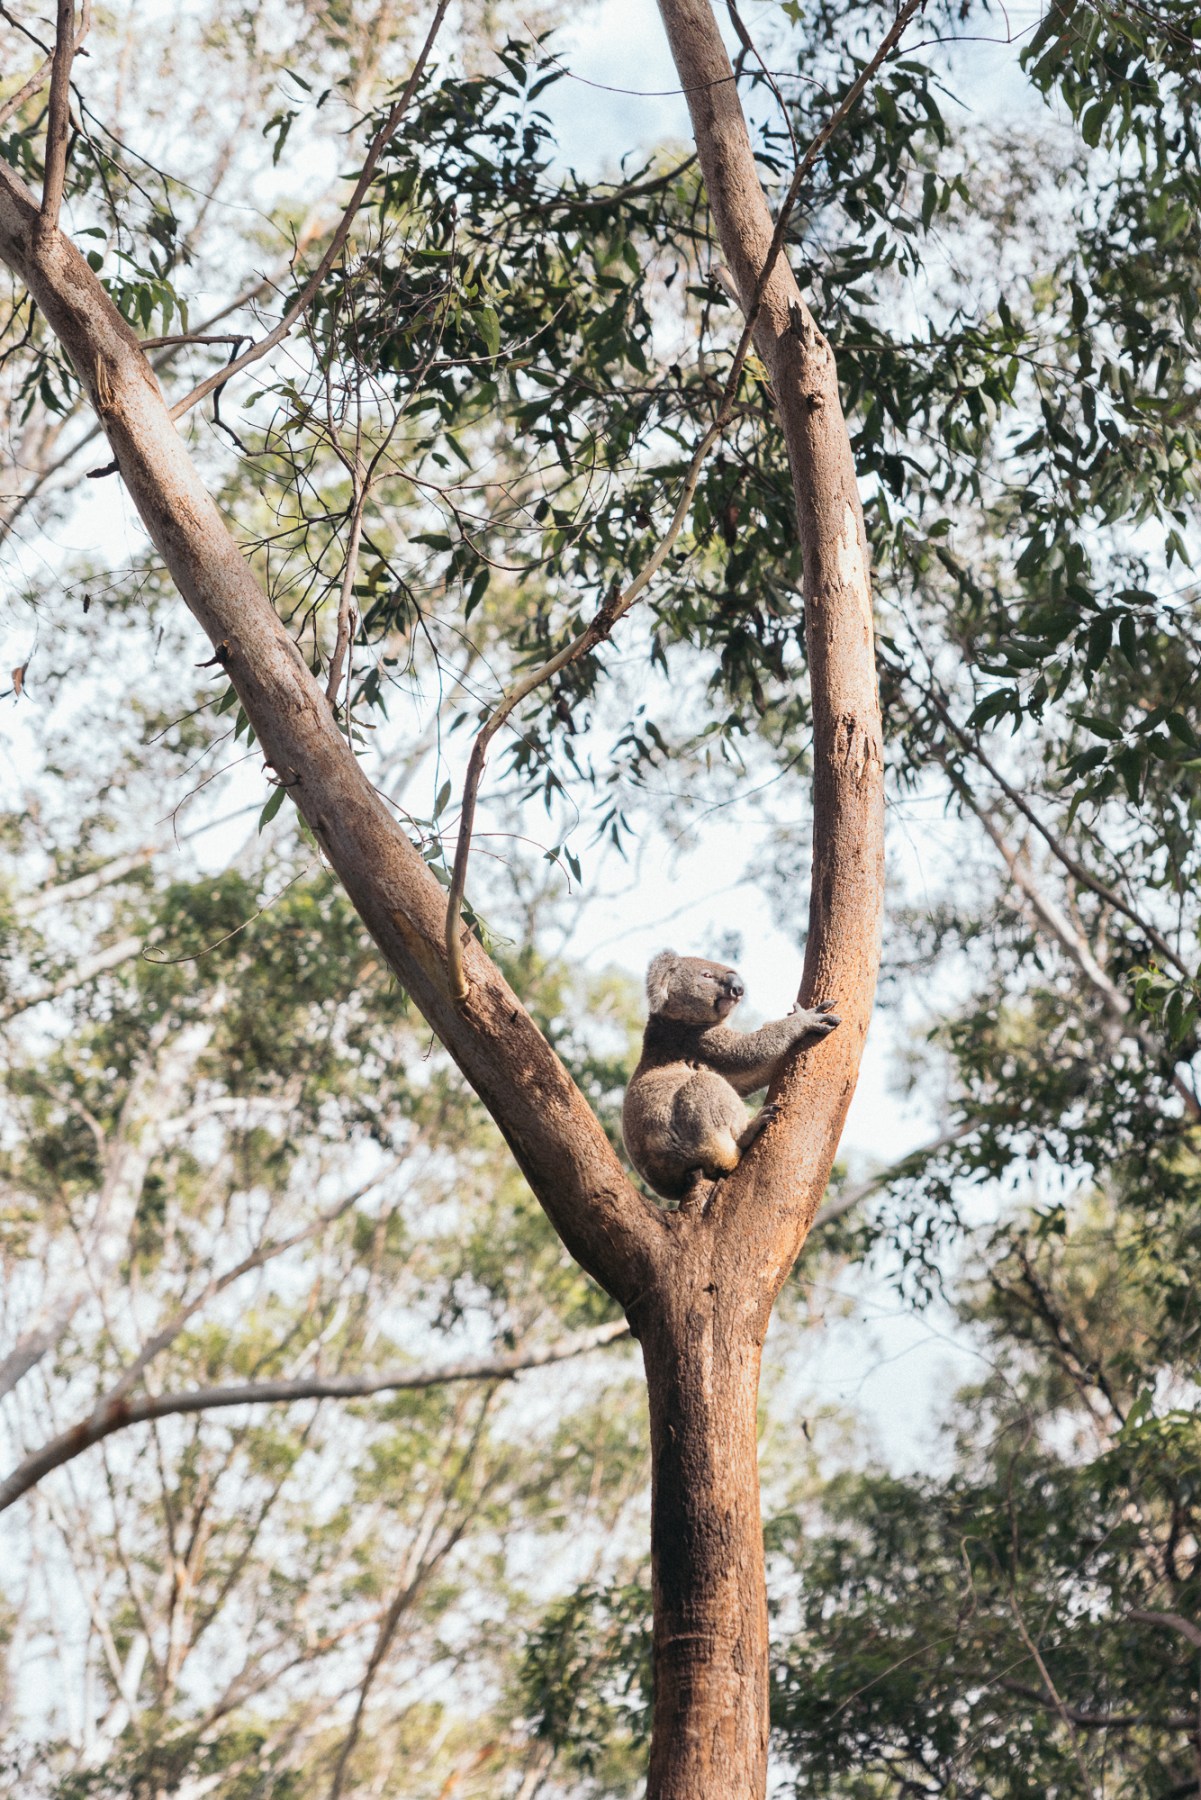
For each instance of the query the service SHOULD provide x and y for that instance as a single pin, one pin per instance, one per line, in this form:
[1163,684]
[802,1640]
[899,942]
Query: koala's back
[678,1120]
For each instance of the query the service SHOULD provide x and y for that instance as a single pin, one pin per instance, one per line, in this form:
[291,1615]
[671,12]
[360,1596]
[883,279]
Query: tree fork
[699,1285]
[702,1344]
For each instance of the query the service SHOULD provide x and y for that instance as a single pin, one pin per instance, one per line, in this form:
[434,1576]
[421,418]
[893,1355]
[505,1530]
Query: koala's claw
[761,1120]
[821,1019]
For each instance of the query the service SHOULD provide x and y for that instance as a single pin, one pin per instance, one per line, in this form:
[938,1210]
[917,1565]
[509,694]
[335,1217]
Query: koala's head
[692,990]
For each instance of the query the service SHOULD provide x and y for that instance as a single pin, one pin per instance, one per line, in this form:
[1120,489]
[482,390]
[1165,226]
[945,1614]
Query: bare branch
[1117,1004]
[345,599]
[598,629]
[117,1415]
[337,243]
[264,1253]
[77,976]
[58,123]
[154,1089]
[1097,1721]
[84,886]
[1071,863]
[1054,1695]
[28,88]
[1171,1621]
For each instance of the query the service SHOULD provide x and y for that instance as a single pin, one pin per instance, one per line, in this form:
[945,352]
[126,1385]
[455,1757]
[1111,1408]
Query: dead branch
[113,1416]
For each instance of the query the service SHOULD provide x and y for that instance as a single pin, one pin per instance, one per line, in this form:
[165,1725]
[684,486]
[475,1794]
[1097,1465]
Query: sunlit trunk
[710,1628]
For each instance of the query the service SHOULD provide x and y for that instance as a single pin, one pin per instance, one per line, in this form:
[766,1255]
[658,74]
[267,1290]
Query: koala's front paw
[820,1020]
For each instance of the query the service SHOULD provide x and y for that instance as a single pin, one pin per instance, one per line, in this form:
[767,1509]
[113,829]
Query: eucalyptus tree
[698,1284]
[471,298]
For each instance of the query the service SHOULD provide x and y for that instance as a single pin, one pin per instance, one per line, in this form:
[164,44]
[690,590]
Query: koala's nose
[735,988]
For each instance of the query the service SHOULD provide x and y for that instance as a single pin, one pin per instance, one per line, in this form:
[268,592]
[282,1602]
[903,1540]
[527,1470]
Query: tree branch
[608,1227]
[116,1415]
[28,88]
[1171,1621]
[346,596]
[58,122]
[768,1204]
[109,958]
[154,1088]
[1060,850]
[84,886]
[599,628]
[256,1258]
[1097,1721]
[1118,1004]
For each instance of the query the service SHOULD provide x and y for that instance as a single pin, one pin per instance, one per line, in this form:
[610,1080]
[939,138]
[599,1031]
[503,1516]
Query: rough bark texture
[701,1353]
[699,1284]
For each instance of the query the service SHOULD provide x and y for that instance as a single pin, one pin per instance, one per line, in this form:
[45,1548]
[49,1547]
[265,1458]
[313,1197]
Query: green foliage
[585,1680]
[1007,1628]
[527,360]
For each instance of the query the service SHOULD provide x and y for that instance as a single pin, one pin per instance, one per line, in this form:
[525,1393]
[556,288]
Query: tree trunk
[702,1355]
[709,1740]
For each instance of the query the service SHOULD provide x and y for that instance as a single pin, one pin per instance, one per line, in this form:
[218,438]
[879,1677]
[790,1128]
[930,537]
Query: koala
[683,1114]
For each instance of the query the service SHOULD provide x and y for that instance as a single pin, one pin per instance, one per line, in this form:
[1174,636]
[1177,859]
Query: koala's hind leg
[708,1120]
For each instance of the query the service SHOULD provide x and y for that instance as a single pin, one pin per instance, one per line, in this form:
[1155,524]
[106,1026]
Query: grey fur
[683,1114]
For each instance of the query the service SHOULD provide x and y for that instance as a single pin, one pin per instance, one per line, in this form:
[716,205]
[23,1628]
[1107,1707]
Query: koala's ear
[658,979]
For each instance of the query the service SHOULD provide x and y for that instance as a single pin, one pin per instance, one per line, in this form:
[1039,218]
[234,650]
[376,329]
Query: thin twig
[1117,1003]
[264,1253]
[848,102]
[612,610]
[1056,1699]
[1071,863]
[601,625]
[336,244]
[111,1417]
[359,488]
[177,340]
